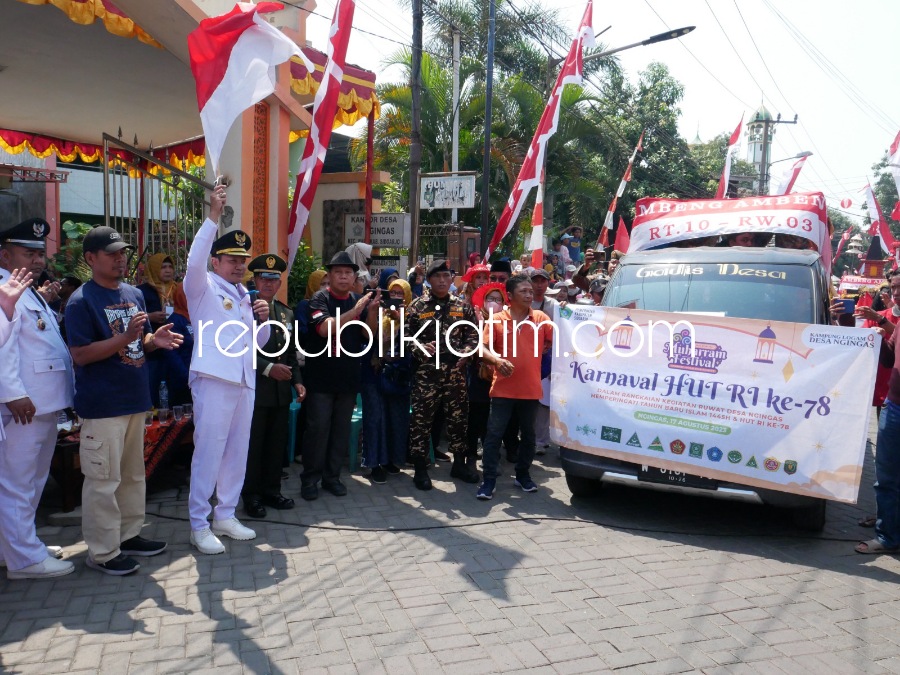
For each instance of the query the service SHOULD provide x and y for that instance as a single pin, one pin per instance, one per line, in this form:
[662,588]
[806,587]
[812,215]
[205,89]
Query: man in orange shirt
[515,341]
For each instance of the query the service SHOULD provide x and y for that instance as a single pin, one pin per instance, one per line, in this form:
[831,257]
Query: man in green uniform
[277,384]
[440,377]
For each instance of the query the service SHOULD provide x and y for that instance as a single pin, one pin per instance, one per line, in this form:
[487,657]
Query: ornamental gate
[155,206]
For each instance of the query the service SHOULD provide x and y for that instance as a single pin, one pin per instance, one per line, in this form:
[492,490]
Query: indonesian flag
[726,171]
[529,174]
[879,225]
[324,109]
[537,228]
[607,223]
[604,237]
[623,241]
[233,58]
[786,184]
[840,247]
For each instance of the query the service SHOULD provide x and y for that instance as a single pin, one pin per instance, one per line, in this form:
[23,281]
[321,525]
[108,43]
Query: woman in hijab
[158,289]
[361,254]
[387,275]
[386,387]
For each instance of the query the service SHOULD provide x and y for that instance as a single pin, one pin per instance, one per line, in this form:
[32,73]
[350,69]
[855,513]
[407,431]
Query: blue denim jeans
[887,476]
[502,409]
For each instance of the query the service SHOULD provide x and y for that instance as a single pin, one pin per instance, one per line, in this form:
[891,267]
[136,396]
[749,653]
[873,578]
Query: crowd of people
[220,339]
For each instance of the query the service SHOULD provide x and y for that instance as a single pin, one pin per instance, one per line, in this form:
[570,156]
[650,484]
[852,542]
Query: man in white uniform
[222,378]
[37,382]
[11,291]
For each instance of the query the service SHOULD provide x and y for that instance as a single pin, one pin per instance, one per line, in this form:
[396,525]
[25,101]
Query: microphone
[254,296]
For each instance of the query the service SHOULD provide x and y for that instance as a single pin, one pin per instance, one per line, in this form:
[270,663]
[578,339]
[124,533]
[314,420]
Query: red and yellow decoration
[85,12]
[356,100]
[180,155]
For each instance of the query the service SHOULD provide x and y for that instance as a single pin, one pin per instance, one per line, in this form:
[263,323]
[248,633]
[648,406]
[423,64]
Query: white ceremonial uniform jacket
[6,326]
[35,361]
[212,302]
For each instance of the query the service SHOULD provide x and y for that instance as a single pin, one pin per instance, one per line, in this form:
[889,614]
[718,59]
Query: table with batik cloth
[160,443]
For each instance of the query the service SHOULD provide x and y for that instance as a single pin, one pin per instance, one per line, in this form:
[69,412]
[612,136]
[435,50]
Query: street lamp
[661,37]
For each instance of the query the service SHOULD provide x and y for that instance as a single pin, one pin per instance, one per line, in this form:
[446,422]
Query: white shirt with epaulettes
[212,302]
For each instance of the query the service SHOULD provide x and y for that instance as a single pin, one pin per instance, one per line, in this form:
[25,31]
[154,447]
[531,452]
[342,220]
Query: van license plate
[650,474]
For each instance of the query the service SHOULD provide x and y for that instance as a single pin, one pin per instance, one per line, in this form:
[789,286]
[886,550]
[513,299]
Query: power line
[733,48]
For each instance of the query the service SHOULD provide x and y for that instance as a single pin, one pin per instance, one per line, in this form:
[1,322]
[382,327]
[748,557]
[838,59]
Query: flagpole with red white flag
[786,184]
[840,247]
[537,227]
[324,110]
[894,166]
[879,226]
[608,221]
[529,174]
[233,59]
[726,170]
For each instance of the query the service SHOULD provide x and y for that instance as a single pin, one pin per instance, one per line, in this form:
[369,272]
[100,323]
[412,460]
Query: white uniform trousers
[25,458]
[222,415]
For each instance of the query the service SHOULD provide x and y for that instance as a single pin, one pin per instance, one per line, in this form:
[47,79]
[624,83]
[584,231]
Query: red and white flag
[233,59]
[840,247]
[529,174]
[537,227]
[879,226]
[894,166]
[786,184]
[324,109]
[623,241]
[726,171]
[608,222]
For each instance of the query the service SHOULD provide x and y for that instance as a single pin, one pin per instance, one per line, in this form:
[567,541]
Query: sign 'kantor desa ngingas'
[775,405]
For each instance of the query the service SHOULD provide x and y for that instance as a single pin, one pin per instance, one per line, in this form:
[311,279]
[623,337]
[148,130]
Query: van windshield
[750,291]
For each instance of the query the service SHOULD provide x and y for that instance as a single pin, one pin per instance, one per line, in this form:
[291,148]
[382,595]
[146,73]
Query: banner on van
[661,222]
[775,405]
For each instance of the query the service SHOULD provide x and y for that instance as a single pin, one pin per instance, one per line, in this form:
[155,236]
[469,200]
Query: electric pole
[415,135]
[489,94]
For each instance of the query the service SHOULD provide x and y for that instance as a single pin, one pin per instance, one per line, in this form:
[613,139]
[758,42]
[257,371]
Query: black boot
[420,478]
[461,470]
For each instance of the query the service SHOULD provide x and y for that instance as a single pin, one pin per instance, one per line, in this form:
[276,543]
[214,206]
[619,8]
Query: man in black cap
[278,383]
[440,378]
[32,392]
[501,271]
[332,374]
[108,332]
[222,377]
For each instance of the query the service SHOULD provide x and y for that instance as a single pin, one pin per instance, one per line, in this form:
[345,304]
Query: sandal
[874,546]
[868,521]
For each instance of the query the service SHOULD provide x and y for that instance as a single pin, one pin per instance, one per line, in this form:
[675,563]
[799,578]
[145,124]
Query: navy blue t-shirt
[118,385]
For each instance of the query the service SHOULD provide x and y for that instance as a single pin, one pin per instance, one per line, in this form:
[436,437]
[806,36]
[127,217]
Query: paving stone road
[389,579]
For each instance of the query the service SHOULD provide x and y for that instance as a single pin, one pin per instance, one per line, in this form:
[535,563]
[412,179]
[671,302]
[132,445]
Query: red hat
[475,269]
[481,293]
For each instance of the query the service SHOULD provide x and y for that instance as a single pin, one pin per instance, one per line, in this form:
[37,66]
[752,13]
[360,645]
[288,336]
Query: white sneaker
[233,528]
[55,551]
[206,542]
[48,567]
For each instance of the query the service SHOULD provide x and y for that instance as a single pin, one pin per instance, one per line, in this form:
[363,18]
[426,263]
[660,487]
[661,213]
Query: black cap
[437,266]
[538,272]
[501,266]
[342,259]
[236,242]
[103,238]
[598,285]
[29,233]
[268,266]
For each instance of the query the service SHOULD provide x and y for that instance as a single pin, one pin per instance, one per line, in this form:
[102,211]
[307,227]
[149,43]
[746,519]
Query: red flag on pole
[786,184]
[840,247]
[879,225]
[607,223]
[233,59]
[604,237]
[894,166]
[726,171]
[324,109]
[623,241]
[529,174]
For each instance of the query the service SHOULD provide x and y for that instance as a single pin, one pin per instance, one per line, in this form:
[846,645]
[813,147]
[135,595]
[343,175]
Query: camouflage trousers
[433,388]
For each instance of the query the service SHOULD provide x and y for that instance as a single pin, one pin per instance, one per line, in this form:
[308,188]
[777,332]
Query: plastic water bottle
[163,395]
